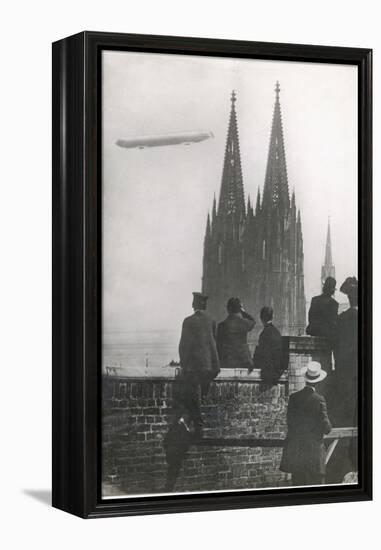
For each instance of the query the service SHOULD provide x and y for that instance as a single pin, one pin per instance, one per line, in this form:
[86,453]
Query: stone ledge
[226,375]
[306,344]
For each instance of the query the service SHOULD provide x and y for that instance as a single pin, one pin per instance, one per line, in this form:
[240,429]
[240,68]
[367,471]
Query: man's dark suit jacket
[268,354]
[347,343]
[232,347]
[346,363]
[322,317]
[198,351]
[307,422]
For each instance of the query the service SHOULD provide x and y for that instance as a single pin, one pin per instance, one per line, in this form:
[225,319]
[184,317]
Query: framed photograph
[211,274]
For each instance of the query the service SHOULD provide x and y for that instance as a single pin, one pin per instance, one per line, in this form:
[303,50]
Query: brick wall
[136,413]
[303,349]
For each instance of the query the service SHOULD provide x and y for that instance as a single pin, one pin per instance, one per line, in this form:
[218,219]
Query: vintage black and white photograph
[229,274]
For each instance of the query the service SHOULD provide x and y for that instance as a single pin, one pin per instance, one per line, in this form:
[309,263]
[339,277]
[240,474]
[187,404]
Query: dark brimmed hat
[350,286]
[234,304]
[199,297]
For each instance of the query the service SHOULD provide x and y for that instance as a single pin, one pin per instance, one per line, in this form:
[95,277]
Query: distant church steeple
[328,268]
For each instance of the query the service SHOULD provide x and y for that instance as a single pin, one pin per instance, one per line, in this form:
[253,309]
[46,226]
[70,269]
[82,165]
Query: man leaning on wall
[199,363]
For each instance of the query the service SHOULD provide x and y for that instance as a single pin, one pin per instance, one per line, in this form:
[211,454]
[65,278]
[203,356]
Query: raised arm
[250,320]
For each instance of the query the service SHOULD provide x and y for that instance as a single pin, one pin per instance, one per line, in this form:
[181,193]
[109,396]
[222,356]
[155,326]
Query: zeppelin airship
[185,138]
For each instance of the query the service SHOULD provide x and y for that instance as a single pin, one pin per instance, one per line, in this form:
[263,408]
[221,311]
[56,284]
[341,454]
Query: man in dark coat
[199,362]
[268,356]
[232,347]
[307,422]
[322,316]
[346,354]
[344,407]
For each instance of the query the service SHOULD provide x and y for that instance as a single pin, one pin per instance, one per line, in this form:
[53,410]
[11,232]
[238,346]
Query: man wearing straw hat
[307,422]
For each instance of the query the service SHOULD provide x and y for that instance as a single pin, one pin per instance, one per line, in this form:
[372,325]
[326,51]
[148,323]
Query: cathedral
[256,251]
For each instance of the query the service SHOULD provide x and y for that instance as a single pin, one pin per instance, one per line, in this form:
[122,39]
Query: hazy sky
[155,201]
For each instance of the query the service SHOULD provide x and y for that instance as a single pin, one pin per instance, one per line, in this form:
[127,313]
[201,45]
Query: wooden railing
[333,438]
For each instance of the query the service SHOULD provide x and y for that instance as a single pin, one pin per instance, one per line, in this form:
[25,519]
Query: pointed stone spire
[275,193]
[299,244]
[214,209]
[293,202]
[299,234]
[300,310]
[232,201]
[258,204]
[250,211]
[208,231]
[328,268]
[328,246]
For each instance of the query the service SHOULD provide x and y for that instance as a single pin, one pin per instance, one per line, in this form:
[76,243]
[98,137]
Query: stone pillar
[303,349]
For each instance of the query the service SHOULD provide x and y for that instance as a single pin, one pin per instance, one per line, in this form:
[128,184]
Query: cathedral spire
[328,246]
[275,192]
[254,248]
[232,201]
[258,204]
[214,213]
[207,232]
[328,268]
[293,202]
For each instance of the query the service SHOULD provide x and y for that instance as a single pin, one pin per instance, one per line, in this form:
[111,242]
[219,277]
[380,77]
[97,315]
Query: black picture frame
[76,273]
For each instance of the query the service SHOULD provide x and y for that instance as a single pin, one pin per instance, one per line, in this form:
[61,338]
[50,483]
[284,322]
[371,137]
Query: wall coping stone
[226,375]
[297,345]
[303,344]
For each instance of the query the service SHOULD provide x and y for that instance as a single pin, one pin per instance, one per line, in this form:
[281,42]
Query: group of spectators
[205,348]
[341,333]
[310,413]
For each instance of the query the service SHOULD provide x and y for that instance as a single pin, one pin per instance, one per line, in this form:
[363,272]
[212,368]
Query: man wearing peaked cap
[199,362]
[307,422]
[200,301]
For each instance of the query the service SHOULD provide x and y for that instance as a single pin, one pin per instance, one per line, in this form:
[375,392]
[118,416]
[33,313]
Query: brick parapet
[137,411]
